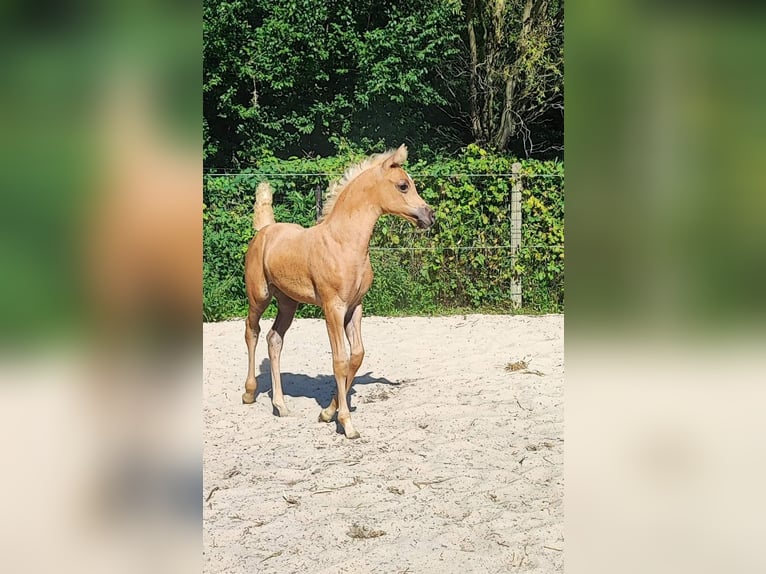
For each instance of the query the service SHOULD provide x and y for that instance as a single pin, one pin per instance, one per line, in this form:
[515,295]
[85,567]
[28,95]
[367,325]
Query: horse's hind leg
[274,339]
[252,330]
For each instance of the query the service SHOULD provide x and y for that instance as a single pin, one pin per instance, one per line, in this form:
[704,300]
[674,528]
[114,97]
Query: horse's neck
[352,220]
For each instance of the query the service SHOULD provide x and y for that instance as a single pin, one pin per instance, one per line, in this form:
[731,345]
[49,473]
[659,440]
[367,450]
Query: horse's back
[273,235]
[278,256]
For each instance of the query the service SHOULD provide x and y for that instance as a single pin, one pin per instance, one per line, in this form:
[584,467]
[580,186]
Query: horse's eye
[403,186]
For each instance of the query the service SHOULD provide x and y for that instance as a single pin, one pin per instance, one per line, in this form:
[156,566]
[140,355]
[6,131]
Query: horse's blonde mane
[336,187]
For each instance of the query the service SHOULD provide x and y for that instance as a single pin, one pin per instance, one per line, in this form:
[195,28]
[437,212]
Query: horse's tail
[263,213]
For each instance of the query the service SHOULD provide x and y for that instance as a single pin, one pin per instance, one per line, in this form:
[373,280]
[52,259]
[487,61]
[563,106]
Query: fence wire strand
[464,248]
[336,175]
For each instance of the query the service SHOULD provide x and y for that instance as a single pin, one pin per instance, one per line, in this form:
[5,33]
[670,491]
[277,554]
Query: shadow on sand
[321,388]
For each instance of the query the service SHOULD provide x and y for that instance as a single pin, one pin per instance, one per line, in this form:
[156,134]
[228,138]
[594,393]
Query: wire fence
[335,175]
[480,253]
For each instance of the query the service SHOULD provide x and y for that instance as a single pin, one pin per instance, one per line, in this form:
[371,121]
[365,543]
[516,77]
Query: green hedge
[460,264]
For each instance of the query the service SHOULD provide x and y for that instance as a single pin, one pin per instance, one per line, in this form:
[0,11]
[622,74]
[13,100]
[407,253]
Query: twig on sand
[290,499]
[279,553]
[357,480]
[212,490]
[421,483]
[552,548]
[525,408]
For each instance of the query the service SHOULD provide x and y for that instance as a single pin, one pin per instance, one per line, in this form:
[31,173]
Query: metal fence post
[515,232]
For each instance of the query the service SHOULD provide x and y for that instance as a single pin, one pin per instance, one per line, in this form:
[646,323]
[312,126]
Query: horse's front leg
[354,335]
[353,327]
[335,317]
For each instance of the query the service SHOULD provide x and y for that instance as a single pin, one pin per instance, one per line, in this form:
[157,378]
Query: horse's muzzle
[424,216]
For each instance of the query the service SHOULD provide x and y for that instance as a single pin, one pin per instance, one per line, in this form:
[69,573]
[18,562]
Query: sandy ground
[459,467]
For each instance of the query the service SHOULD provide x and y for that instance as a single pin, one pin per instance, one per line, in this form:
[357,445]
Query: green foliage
[541,257]
[297,77]
[461,263]
[302,74]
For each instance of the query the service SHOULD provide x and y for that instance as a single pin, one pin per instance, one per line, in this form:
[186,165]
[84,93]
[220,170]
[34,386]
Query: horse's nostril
[425,216]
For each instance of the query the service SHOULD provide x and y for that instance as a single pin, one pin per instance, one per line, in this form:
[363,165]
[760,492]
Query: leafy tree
[515,65]
[297,76]
[300,74]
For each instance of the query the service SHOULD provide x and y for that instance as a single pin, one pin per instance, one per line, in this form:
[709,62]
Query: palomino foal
[326,265]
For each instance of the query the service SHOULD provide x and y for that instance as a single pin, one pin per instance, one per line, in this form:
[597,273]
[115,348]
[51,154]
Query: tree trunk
[476,124]
[507,125]
[493,42]
[494,61]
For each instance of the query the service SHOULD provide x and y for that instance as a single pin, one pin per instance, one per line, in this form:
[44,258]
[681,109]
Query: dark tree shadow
[321,388]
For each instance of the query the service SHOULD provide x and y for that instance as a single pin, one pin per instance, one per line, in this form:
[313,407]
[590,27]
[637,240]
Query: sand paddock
[459,467]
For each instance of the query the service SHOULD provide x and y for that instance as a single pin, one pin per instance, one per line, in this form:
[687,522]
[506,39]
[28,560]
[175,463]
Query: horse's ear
[397,157]
[400,155]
